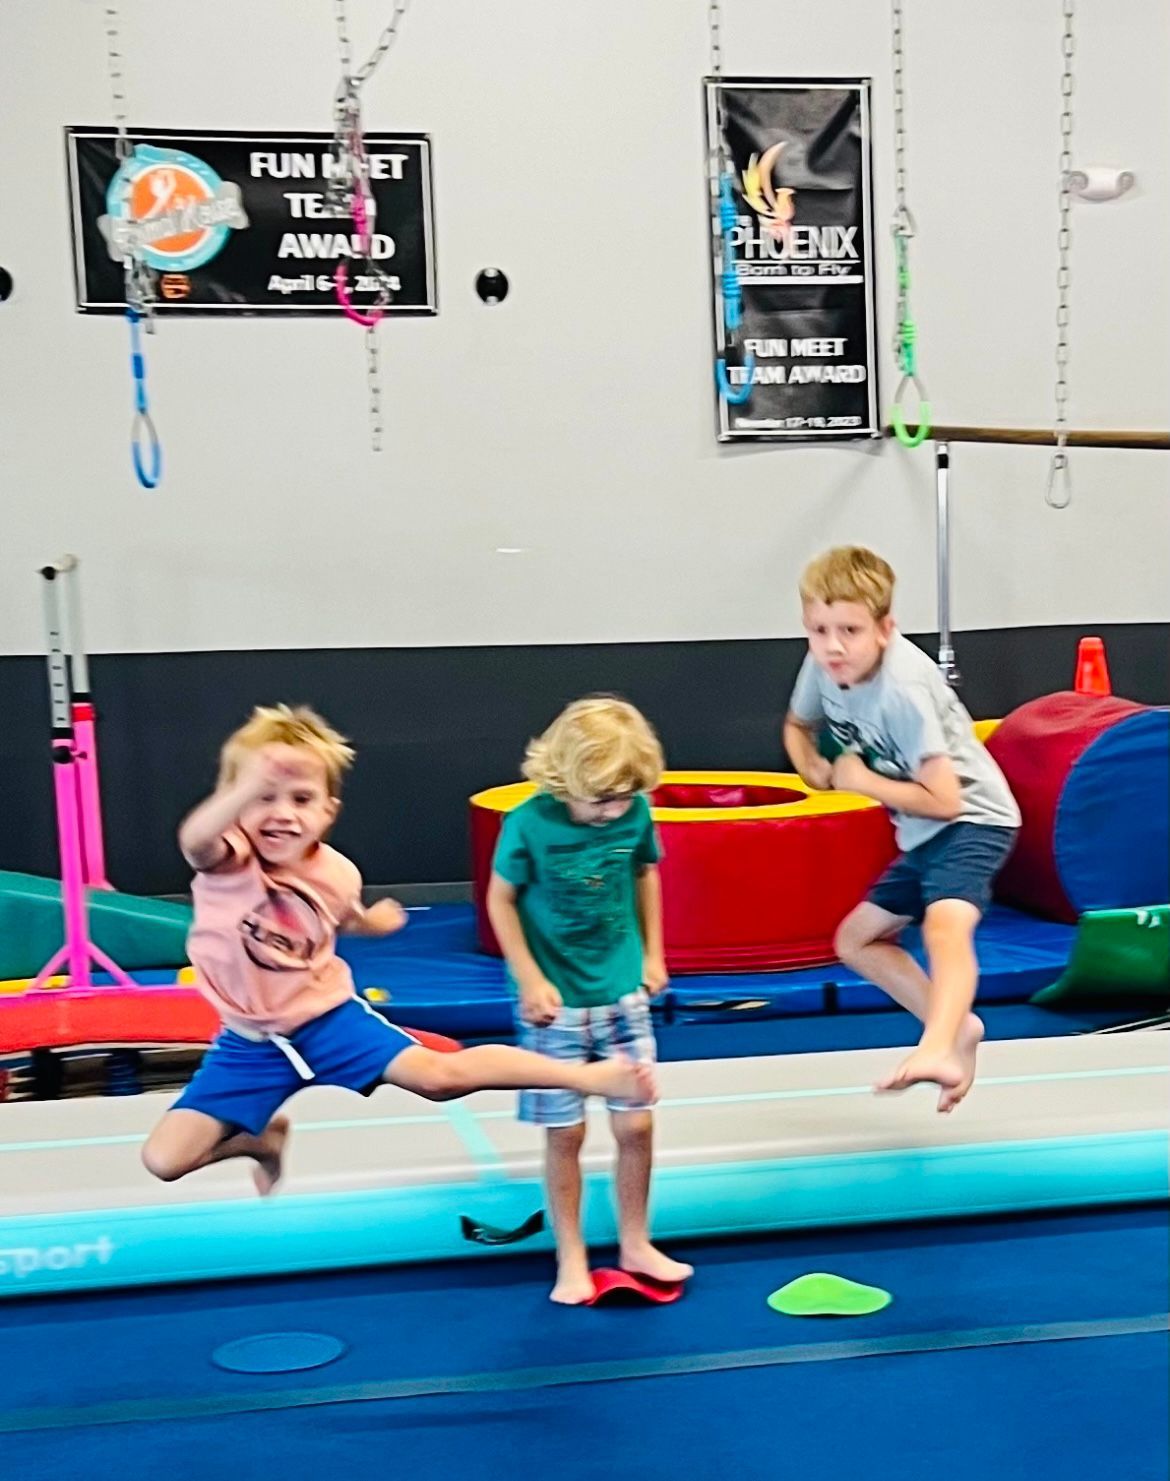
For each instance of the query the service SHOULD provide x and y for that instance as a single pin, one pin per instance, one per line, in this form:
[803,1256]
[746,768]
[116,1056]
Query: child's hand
[655,977]
[850,773]
[539,1002]
[384,917]
[271,765]
[818,774]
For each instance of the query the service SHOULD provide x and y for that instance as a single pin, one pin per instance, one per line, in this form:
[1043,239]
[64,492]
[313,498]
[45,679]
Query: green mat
[821,1294]
[137,932]
[1117,954]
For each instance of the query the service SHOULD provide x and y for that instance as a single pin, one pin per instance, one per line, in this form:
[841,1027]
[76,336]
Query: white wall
[575,420]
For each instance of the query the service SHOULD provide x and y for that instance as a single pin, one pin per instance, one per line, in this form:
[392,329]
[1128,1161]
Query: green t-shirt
[576,895]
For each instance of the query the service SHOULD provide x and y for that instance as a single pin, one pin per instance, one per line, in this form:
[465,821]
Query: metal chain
[722,152]
[349,189]
[137,276]
[715,35]
[374,386]
[724,219]
[139,279]
[1058,494]
[385,42]
[904,228]
[114,61]
[902,213]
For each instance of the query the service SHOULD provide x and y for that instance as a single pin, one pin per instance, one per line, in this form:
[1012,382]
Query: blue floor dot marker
[278,1352]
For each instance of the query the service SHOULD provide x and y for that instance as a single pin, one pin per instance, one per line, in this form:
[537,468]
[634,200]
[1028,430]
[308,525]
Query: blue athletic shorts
[243,1082]
[959,863]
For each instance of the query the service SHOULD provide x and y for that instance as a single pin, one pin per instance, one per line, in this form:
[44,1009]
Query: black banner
[237,223]
[802,243]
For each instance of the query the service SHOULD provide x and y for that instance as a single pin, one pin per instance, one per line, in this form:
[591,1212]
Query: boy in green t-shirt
[576,905]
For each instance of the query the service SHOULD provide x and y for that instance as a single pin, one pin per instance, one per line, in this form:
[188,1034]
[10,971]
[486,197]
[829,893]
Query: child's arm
[934,792]
[539,999]
[654,974]
[382,918]
[800,741]
[201,832]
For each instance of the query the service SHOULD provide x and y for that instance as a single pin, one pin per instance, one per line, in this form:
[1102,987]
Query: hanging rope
[349,193]
[138,277]
[1058,494]
[737,389]
[904,228]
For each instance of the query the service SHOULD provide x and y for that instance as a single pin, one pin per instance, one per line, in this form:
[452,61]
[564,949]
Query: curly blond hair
[850,573]
[279,725]
[597,747]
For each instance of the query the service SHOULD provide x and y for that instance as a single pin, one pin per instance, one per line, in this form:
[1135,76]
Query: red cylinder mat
[741,895]
[74,1018]
[749,896]
[1037,747]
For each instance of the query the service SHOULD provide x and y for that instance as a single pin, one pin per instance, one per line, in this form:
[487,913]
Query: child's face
[293,812]
[846,639]
[597,811]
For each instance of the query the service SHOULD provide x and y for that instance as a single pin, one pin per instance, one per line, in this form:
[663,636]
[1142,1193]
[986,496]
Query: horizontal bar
[1044,437]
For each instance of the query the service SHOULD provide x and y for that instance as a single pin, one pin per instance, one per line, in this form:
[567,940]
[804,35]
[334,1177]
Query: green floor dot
[827,1295]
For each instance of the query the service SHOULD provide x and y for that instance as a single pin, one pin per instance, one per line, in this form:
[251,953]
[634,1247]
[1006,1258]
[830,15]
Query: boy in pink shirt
[270,897]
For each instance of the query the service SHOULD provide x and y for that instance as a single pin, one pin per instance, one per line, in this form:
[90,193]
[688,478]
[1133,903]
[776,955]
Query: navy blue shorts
[959,863]
[244,1082]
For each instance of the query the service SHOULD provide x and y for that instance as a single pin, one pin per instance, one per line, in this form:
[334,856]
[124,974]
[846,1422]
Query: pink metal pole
[84,717]
[72,879]
[78,951]
[93,854]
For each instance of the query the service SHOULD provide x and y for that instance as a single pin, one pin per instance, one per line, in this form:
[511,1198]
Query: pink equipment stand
[75,784]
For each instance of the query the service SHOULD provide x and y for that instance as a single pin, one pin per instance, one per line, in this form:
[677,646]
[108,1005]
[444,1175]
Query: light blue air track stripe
[331,1230]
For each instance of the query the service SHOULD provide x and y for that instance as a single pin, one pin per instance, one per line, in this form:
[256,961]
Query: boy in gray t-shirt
[871,714]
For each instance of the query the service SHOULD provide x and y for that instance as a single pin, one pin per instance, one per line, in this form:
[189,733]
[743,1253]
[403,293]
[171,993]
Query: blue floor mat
[1059,1409]
[966,1413]
[461,1317]
[436,978]
[832,1032]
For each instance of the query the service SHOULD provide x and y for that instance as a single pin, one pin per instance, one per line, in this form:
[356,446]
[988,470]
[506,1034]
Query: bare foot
[621,1079]
[643,1259]
[574,1283]
[967,1048]
[945,1069]
[270,1159]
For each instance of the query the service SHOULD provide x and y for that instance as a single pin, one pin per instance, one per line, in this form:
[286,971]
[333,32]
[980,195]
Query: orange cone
[1092,669]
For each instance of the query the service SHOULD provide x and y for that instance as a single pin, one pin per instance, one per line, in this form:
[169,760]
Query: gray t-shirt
[896,720]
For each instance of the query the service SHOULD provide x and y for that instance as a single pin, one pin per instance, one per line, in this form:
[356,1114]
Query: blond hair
[279,725]
[597,747]
[850,573]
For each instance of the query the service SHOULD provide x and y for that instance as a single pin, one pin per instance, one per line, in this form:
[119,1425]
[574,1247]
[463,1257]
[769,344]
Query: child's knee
[567,1140]
[850,937]
[865,925]
[430,1074]
[950,923]
[631,1128]
[162,1161]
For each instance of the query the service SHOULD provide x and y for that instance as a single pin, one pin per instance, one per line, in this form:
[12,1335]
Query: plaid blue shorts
[581,1036]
